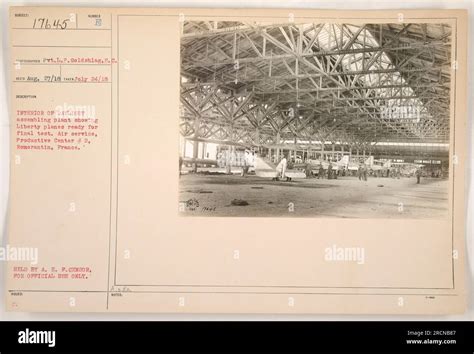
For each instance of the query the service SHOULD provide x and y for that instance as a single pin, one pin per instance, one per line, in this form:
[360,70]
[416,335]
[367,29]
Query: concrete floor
[211,195]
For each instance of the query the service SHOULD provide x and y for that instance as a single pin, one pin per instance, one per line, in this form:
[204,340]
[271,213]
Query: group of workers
[330,173]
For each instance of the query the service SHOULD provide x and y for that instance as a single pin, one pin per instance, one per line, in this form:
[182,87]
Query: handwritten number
[45,23]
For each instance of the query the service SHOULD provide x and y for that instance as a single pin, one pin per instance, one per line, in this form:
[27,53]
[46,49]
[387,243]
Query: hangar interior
[362,106]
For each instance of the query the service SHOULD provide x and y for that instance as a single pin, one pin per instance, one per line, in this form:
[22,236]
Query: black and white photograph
[315,119]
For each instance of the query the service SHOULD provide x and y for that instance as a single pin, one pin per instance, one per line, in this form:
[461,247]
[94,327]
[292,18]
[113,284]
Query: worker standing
[418,175]
[321,171]
[247,162]
[308,170]
[330,171]
[281,167]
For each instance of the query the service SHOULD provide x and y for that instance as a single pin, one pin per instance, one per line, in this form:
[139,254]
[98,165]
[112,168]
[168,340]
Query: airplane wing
[265,170]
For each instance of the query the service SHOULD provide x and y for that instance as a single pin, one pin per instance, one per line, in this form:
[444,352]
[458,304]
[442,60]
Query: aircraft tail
[344,161]
[370,161]
[261,164]
[265,169]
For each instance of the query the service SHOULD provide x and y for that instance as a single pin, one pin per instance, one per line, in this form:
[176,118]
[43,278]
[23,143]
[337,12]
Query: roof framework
[262,84]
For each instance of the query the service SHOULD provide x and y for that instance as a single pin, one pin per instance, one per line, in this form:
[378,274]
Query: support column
[195,154]
[277,142]
[196,143]
[294,150]
[228,167]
